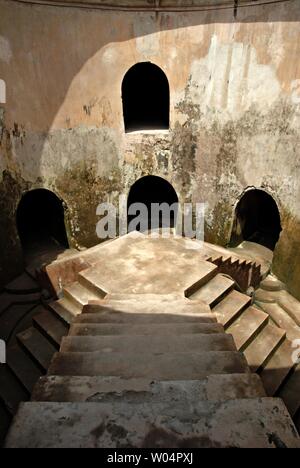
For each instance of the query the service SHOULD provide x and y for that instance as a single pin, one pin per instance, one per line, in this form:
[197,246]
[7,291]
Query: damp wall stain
[235,116]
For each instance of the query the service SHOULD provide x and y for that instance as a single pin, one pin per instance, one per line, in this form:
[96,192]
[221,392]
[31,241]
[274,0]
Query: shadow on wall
[77,31]
[69,59]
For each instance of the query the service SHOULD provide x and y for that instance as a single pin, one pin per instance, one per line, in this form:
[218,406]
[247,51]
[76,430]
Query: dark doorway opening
[154,190]
[40,220]
[257,219]
[146,98]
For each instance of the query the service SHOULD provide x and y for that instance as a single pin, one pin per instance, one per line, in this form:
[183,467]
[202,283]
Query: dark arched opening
[40,220]
[152,191]
[146,98]
[257,219]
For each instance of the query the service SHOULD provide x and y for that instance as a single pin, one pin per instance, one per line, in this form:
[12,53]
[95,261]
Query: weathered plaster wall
[235,108]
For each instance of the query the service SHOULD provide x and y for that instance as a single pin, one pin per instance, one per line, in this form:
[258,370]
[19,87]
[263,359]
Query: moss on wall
[286,264]
[11,258]
[82,191]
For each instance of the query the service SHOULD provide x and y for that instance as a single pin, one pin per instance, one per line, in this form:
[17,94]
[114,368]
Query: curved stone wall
[175,5]
[234,115]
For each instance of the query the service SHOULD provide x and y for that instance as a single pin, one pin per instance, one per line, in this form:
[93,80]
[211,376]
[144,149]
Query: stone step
[289,303]
[263,295]
[23,284]
[281,319]
[213,291]
[65,310]
[150,305]
[264,346]
[278,368]
[252,423]
[89,282]
[164,329]
[15,319]
[158,366]
[231,307]
[39,348]
[106,316]
[149,343]
[5,421]
[214,387]
[143,300]
[5,301]
[51,327]
[24,369]
[9,300]
[290,392]
[271,283]
[11,390]
[79,295]
[245,329]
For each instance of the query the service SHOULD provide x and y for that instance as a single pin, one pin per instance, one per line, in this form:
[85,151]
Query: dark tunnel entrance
[153,190]
[257,219]
[146,98]
[40,220]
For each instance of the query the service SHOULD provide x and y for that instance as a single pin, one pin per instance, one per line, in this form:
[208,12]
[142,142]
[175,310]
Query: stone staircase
[30,351]
[75,297]
[150,371]
[261,332]
[32,328]
[263,336]
[32,335]
[142,318]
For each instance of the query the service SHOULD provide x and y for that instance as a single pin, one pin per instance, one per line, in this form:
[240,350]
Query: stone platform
[147,362]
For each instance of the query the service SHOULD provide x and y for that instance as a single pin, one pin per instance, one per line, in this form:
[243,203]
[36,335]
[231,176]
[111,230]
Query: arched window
[2,92]
[40,220]
[146,98]
[151,190]
[257,219]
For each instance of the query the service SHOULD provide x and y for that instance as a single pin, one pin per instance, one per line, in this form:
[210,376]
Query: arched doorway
[146,98]
[40,220]
[257,219]
[151,190]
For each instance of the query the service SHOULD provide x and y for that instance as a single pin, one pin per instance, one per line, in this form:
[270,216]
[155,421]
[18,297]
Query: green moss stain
[286,263]
[83,191]
[11,257]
